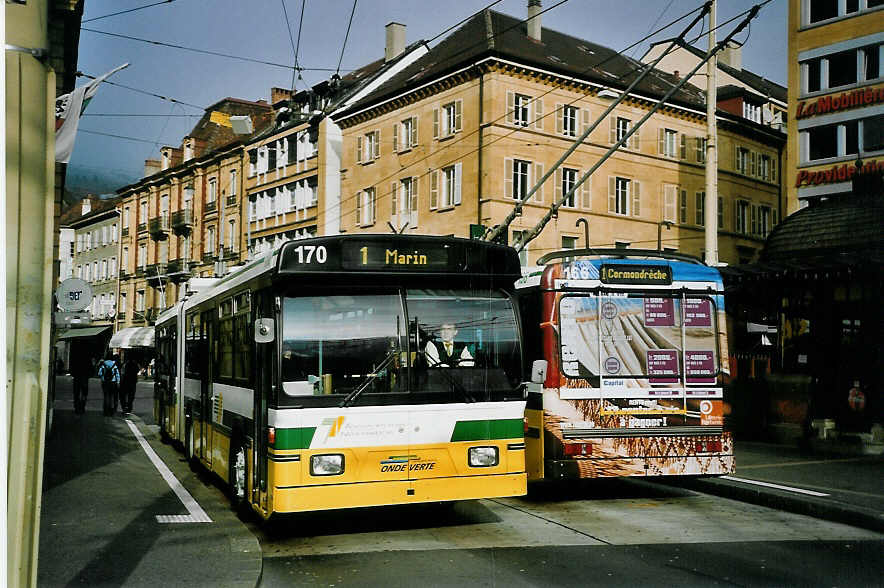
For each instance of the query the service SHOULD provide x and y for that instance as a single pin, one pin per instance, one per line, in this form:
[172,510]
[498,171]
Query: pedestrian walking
[81,370]
[128,382]
[109,374]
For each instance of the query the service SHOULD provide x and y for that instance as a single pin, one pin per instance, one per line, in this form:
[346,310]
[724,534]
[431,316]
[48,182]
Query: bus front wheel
[190,445]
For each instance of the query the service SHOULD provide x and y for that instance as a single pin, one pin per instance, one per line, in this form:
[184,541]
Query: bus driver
[448,353]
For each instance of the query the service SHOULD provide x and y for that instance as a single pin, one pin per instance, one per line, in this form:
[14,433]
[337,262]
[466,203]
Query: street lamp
[660,225]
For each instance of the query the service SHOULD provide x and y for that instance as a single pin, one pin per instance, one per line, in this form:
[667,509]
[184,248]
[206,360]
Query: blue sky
[257,29]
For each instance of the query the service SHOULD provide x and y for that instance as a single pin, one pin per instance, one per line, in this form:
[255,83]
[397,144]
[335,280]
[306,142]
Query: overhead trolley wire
[346,36]
[206,51]
[161,97]
[127,11]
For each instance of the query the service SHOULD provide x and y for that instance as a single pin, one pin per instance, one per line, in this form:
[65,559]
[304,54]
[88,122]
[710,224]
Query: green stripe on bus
[488,429]
[294,438]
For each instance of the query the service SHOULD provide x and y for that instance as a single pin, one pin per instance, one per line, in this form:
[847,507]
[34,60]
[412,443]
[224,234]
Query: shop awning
[82,332]
[132,337]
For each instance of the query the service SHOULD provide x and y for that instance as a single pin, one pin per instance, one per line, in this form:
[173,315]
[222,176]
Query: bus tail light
[708,446]
[271,435]
[572,449]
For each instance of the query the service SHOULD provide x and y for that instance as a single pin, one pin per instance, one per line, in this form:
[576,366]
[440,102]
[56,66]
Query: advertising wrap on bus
[636,349]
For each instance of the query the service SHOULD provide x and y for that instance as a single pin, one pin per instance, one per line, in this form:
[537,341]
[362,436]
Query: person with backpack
[109,374]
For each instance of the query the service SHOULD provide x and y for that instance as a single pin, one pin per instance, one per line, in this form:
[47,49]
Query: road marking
[777,486]
[800,463]
[197,514]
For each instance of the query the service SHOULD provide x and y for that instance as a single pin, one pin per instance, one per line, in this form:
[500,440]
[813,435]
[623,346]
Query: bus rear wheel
[238,475]
[190,445]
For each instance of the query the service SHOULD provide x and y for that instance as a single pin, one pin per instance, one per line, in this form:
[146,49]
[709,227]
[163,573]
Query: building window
[125,258]
[618,202]
[139,301]
[765,220]
[741,217]
[451,185]
[366,203]
[741,162]
[668,143]
[569,242]
[368,147]
[210,240]
[521,178]
[142,255]
[700,214]
[212,193]
[142,213]
[405,134]
[873,133]
[123,303]
[844,68]
[569,121]
[448,120]
[233,188]
[569,179]
[125,219]
[752,112]
[521,110]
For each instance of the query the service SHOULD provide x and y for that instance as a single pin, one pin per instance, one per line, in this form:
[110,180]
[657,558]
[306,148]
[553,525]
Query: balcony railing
[231,200]
[124,232]
[142,227]
[140,271]
[209,256]
[211,206]
[182,221]
[228,253]
[156,271]
[159,227]
[179,269]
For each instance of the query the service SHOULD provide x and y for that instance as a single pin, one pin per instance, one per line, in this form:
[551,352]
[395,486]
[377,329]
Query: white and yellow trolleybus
[351,371]
[635,347]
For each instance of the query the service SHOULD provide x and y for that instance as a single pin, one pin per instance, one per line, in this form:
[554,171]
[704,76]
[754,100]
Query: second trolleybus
[635,348]
[351,371]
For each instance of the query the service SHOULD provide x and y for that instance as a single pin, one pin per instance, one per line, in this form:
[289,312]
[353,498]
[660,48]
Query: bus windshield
[394,347]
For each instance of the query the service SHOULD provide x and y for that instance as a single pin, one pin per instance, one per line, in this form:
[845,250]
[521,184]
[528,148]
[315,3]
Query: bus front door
[206,388]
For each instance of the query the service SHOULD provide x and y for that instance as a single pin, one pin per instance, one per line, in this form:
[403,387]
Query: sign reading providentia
[843,172]
[840,102]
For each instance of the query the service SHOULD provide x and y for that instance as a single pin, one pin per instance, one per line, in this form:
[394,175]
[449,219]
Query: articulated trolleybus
[635,347]
[352,371]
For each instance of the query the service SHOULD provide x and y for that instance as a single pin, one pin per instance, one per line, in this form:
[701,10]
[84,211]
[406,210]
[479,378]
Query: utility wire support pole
[711,204]
[504,225]
[556,205]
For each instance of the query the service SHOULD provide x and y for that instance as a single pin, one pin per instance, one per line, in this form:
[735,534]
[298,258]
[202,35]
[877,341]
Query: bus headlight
[331,464]
[483,457]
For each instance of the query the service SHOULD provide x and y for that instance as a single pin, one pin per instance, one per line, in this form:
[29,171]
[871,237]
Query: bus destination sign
[636,275]
[377,255]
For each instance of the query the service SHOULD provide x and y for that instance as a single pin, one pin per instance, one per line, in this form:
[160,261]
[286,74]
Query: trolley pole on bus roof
[711,204]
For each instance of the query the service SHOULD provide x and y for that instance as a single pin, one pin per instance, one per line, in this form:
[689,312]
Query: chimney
[86,206]
[279,94]
[533,21]
[732,55]
[395,41]
[151,166]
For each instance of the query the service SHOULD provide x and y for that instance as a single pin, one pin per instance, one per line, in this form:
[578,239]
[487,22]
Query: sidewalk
[841,488]
[110,517]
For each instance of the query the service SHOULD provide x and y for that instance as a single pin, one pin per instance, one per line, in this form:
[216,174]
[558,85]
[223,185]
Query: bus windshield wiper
[385,363]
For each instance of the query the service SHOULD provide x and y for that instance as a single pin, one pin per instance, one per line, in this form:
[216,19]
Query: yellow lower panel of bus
[396,492]
[395,463]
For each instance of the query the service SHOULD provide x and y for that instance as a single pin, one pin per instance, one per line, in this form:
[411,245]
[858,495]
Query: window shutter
[538,173]
[586,121]
[458,116]
[736,216]
[376,148]
[736,158]
[458,175]
[413,204]
[396,138]
[684,145]
[752,164]
[558,192]
[358,208]
[560,124]
[586,193]
[271,155]
[435,123]
[669,205]
[613,137]
[538,113]
[661,141]
[636,198]
[413,131]
[699,154]
[394,199]
[434,189]
[508,177]
[773,170]
[612,194]
[634,140]
[359,149]
[510,107]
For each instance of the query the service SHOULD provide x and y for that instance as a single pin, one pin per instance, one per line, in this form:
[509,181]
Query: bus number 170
[306,253]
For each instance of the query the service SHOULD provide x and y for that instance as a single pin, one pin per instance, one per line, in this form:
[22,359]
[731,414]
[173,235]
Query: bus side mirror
[264,330]
[538,371]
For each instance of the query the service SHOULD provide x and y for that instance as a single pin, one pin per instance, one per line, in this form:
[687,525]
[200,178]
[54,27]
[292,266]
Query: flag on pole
[68,109]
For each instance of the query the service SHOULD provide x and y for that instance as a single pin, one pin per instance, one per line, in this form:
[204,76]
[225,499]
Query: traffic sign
[74,294]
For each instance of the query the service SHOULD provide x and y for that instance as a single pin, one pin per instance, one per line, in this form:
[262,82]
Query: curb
[820,508]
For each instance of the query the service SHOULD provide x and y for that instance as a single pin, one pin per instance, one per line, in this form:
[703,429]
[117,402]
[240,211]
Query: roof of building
[217,136]
[73,217]
[493,34]
[756,82]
